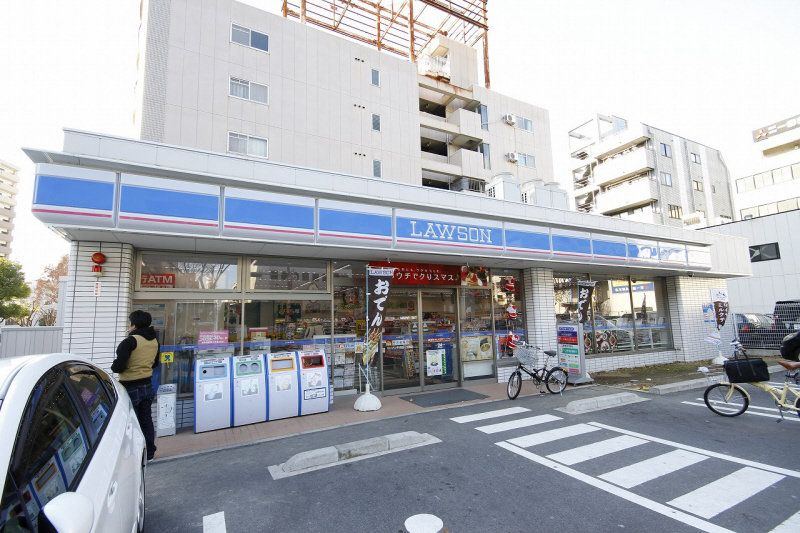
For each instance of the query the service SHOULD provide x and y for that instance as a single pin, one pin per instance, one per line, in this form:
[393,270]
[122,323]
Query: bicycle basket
[527,356]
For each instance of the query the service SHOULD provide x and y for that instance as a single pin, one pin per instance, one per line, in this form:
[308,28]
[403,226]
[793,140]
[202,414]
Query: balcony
[623,140]
[462,163]
[8,189]
[626,196]
[469,128]
[624,166]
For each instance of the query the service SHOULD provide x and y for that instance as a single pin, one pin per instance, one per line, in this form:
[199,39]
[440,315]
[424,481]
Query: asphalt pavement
[664,465]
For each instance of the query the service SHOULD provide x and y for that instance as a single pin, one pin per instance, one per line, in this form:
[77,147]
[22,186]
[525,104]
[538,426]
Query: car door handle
[112,495]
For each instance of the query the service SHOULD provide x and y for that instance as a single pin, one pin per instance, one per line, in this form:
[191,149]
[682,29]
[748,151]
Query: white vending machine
[212,394]
[283,391]
[249,390]
[313,382]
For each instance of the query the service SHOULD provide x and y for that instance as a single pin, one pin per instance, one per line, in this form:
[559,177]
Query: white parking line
[489,414]
[686,518]
[597,449]
[214,523]
[554,434]
[650,469]
[521,423]
[720,495]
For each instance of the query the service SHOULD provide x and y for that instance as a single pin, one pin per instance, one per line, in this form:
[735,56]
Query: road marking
[792,525]
[597,449]
[423,523]
[650,469]
[720,495]
[554,434]
[521,423]
[617,491]
[214,523]
[748,412]
[751,406]
[489,414]
[737,460]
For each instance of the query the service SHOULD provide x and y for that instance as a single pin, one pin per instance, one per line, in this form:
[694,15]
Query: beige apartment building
[8,191]
[223,76]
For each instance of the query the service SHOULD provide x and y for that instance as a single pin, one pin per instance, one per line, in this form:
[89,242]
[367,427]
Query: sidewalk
[341,414]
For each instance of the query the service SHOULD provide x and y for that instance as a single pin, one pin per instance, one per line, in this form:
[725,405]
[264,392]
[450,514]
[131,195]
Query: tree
[12,287]
[43,304]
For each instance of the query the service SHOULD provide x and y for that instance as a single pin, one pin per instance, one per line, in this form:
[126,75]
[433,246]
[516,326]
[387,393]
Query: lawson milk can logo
[448,232]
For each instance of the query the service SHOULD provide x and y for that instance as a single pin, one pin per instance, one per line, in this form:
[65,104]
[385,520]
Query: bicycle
[731,399]
[555,379]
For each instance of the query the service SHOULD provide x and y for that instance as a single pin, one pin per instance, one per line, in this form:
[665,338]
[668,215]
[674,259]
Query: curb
[701,383]
[601,402]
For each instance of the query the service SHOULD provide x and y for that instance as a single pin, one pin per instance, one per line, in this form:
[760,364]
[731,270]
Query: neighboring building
[775,188]
[638,172]
[227,77]
[8,191]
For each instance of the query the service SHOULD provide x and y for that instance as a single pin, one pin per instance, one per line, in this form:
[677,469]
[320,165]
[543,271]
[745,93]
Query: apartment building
[775,188]
[638,172]
[227,77]
[9,177]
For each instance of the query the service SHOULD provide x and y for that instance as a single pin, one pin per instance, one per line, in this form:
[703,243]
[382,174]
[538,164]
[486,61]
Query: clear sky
[709,70]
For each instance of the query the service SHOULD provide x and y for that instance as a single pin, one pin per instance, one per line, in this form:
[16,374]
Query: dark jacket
[127,348]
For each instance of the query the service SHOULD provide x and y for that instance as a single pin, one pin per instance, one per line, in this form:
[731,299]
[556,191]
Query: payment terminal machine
[282,386]
[249,391]
[313,382]
[212,394]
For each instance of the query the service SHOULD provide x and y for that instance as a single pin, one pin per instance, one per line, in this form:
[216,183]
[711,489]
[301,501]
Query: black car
[787,318]
[755,330]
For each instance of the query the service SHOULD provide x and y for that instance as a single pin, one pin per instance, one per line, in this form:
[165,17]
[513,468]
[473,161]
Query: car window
[90,390]
[52,443]
[12,511]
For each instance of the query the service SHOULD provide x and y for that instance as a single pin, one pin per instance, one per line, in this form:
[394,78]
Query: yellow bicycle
[730,399]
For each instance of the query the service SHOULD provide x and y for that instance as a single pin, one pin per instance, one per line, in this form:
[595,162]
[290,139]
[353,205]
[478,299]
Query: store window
[270,274]
[613,318]
[287,325]
[509,313]
[349,327]
[188,272]
[477,352]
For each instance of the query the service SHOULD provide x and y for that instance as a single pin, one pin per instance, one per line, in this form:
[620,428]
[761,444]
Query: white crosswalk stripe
[598,449]
[214,523]
[792,525]
[710,500]
[554,434]
[650,469]
[516,424]
[489,414]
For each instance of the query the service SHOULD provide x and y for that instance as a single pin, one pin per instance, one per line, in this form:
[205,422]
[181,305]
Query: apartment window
[768,209]
[524,124]
[695,158]
[376,122]
[675,211]
[249,90]
[697,185]
[376,77]
[666,150]
[483,111]
[248,37]
[787,205]
[527,160]
[666,179]
[376,168]
[245,144]
[483,148]
[764,252]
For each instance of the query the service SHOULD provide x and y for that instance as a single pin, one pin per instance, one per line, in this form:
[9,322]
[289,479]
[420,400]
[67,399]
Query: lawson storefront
[274,257]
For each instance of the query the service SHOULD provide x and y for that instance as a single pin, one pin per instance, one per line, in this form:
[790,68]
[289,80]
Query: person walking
[137,356]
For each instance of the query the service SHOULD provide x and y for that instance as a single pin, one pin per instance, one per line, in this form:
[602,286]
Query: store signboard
[207,340]
[708,314]
[618,286]
[157,281]
[719,297]
[426,274]
[569,353]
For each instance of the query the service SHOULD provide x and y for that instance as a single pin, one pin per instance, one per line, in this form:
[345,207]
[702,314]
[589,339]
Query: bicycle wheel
[556,380]
[726,399]
[514,385]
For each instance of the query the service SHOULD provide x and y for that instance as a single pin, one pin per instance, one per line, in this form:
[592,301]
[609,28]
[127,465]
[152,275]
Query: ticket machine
[249,390]
[212,394]
[313,382]
[282,385]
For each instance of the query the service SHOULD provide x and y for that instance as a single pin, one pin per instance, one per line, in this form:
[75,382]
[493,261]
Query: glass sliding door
[476,348]
[439,346]
[400,345]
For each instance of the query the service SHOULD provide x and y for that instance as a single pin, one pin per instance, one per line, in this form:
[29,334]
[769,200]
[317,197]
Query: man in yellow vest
[137,356]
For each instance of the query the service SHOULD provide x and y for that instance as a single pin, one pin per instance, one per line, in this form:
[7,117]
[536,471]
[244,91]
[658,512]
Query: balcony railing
[626,196]
[624,166]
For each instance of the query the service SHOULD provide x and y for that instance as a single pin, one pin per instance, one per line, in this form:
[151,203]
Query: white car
[71,449]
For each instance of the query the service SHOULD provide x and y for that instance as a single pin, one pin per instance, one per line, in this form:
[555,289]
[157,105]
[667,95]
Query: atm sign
[158,281]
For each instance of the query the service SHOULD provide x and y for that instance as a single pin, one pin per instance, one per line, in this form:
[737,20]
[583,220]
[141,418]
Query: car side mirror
[70,512]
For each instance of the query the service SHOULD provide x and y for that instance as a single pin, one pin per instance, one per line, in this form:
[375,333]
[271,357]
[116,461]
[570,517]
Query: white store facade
[275,255]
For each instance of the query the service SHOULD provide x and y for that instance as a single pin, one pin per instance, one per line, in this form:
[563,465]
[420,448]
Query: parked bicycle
[555,378]
[729,398]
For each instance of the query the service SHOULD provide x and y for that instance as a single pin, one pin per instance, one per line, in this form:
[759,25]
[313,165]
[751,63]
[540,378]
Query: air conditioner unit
[509,119]
[512,157]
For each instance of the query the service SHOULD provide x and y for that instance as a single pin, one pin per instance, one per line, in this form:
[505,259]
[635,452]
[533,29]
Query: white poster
[435,360]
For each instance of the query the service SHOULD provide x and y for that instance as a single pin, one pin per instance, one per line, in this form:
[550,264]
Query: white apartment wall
[771,280]
[321,100]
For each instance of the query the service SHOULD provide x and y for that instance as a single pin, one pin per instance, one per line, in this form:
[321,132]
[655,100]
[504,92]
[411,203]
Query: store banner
[379,282]
[585,290]
[425,274]
[719,297]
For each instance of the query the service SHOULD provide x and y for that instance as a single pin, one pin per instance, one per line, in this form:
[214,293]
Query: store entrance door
[419,318]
